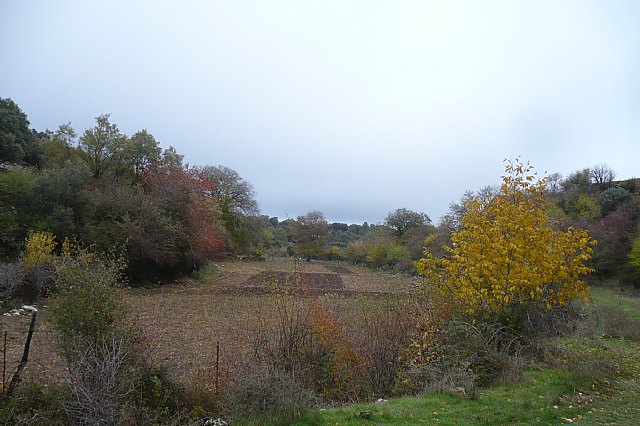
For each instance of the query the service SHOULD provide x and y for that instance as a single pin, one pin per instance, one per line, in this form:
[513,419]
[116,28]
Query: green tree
[17,142]
[62,201]
[376,253]
[101,146]
[58,147]
[334,253]
[404,219]
[357,252]
[310,232]
[506,256]
[140,151]
[16,208]
[578,182]
[397,255]
[238,206]
[171,158]
[614,197]
[588,207]
[234,193]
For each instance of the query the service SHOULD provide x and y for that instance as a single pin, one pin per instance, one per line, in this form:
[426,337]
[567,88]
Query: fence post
[25,357]
[217,370]
[4,362]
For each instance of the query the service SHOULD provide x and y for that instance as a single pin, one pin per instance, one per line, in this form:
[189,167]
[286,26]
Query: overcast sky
[353,108]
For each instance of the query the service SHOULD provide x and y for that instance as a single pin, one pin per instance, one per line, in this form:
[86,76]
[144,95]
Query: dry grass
[182,322]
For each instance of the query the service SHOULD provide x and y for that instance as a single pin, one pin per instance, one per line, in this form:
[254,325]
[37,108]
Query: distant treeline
[111,190]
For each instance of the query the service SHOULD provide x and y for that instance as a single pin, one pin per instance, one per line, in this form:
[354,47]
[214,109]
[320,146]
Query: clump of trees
[18,143]
[610,210]
[108,189]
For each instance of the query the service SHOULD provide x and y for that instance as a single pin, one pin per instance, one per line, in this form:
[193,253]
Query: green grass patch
[617,298]
[544,397]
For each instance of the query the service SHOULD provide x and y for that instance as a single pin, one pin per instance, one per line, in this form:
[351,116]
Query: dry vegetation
[183,321]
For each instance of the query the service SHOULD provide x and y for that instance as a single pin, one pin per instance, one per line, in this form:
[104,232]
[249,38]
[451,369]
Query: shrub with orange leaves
[345,366]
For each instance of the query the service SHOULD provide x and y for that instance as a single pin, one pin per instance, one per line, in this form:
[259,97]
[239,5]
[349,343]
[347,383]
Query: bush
[34,275]
[262,390]
[35,404]
[507,257]
[155,396]
[284,341]
[460,357]
[340,366]
[304,339]
[99,382]
[99,342]
[89,308]
[614,323]
[382,332]
[207,273]
[9,281]
[541,322]
[592,368]
[629,275]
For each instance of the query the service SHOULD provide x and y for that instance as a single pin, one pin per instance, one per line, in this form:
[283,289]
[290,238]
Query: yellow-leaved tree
[507,255]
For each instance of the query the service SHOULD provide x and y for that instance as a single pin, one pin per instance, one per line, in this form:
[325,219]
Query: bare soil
[183,322]
[338,269]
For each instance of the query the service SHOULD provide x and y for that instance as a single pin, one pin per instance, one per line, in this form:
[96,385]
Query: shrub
[507,257]
[342,367]
[39,247]
[284,341]
[35,404]
[155,396]
[382,332]
[207,272]
[304,339]
[34,275]
[592,364]
[614,323]
[459,357]
[9,281]
[264,390]
[98,382]
[34,282]
[89,308]
[101,346]
[540,322]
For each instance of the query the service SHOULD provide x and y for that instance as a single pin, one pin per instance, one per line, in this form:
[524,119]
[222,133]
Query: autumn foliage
[174,222]
[345,367]
[508,255]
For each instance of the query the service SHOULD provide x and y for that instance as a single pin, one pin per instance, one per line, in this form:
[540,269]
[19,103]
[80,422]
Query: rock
[458,391]
[215,422]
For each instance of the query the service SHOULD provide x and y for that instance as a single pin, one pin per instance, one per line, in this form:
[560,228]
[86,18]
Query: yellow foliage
[72,249]
[38,247]
[507,254]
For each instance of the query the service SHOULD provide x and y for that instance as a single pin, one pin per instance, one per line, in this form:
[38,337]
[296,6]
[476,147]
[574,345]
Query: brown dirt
[278,279]
[182,322]
[338,269]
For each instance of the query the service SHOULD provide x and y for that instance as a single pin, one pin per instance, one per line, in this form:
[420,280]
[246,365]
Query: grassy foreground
[604,388]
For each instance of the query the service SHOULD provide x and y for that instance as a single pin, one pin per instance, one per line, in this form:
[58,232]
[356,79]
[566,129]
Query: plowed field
[184,321]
